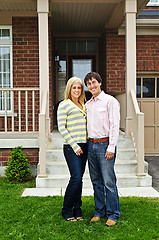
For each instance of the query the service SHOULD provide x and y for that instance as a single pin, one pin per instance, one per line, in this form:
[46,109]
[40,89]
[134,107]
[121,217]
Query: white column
[130,12]
[43,10]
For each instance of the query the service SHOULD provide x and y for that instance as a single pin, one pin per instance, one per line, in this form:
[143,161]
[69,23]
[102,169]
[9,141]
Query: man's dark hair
[91,75]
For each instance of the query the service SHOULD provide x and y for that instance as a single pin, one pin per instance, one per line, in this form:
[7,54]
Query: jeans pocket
[104,144]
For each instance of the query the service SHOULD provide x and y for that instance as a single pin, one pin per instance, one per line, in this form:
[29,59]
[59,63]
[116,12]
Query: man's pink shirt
[103,119]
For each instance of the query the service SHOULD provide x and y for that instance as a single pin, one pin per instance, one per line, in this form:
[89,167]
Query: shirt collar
[99,97]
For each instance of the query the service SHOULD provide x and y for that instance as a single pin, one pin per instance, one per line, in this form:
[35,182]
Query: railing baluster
[5,107]
[12,97]
[26,109]
[17,104]
[33,106]
[19,111]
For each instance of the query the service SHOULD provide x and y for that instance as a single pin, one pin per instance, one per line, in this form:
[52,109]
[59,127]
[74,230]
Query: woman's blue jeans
[76,164]
[104,181]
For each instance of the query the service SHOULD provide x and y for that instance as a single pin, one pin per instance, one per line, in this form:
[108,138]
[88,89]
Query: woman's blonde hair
[70,82]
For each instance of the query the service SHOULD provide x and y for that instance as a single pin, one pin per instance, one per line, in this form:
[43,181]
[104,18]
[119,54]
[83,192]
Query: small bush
[18,167]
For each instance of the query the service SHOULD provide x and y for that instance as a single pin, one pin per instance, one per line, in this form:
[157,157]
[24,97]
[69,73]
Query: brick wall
[31,154]
[115,62]
[147,53]
[26,63]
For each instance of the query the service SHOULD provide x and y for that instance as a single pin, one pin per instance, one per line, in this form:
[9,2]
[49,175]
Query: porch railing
[137,133]
[44,133]
[19,109]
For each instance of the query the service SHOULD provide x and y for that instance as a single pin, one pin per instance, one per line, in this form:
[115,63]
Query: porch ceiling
[77,15]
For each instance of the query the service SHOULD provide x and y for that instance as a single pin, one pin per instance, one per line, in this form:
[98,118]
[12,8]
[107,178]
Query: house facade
[45,42]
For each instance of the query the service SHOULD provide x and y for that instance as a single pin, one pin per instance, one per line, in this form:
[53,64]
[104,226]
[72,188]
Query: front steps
[125,167]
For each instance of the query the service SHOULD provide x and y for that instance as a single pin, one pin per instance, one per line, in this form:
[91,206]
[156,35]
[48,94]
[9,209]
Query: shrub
[18,167]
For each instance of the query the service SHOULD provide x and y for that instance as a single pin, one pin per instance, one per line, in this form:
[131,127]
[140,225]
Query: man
[103,116]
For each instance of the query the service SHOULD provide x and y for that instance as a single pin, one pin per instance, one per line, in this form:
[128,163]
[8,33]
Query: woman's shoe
[71,219]
[79,218]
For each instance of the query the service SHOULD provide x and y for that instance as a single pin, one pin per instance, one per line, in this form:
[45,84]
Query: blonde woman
[71,117]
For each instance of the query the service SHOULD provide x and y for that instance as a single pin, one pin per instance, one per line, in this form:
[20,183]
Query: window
[147,87]
[5,65]
[153,3]
[76,46]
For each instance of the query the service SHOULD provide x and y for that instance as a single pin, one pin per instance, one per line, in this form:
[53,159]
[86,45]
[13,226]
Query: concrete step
[123,180]
[60,167]
[125,166]
[56,141]
[55,155]
[126,154]
[122,154]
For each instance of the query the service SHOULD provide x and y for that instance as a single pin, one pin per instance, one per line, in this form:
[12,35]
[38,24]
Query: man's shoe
[110,223]
[95,219]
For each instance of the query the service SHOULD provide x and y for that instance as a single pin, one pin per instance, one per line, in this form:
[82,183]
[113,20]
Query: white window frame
[8,43]
[151,3]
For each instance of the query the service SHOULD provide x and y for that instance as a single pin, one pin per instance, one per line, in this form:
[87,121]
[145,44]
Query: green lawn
[40,218]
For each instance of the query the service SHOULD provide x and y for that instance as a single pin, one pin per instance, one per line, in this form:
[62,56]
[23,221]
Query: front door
[80,66]
[72,58]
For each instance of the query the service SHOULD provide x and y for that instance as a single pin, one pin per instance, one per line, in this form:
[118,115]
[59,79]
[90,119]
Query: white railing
[44,133]
[18,110]
[137,133]
[121,97]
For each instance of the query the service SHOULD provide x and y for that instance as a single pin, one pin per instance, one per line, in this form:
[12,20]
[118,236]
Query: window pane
[6,64]
[81,47]
[5,73]
[62,46]
[81,67]
[8,100]
[4,53]
[138,88]
[5,34]
[0,80]
[1,102]
[6,80]
[61,78]
[91,46]
[72,47]
[158,87]
[148,87]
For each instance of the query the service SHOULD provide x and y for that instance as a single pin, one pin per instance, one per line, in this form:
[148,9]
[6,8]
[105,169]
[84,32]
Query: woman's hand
[79,152]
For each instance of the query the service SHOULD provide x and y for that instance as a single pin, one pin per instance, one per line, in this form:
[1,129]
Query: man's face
[94,87]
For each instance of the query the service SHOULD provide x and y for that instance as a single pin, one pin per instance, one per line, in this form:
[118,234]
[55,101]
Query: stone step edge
[118,175]
[63,162]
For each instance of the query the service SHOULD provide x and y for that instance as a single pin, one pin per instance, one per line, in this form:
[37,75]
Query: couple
[102,119]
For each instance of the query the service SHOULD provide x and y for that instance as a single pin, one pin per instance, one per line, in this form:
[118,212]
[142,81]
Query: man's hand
[109,155]
[79,152]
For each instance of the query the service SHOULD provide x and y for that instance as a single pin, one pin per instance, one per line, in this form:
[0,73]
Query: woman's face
[76,90]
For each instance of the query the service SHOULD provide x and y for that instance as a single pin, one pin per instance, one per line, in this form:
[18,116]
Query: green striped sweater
[72,123]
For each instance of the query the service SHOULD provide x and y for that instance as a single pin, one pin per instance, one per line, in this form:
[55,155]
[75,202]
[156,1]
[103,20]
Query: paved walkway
[153,170]
[123,192]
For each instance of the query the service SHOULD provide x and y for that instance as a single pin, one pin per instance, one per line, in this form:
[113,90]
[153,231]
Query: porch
[24,117]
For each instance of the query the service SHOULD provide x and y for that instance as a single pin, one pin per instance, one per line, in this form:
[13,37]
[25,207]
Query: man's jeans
[76,164]
[104,181]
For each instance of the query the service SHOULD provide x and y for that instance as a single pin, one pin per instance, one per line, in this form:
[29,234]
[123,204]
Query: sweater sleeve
[62,123]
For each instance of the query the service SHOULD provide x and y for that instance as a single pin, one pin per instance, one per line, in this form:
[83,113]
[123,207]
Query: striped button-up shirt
[103,117]
[72,123]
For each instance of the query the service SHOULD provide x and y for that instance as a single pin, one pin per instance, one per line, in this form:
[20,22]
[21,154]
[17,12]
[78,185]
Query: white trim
[8,43]
[144,27]
[153,3]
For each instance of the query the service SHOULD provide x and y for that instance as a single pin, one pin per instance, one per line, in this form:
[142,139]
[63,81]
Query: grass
[40,218]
